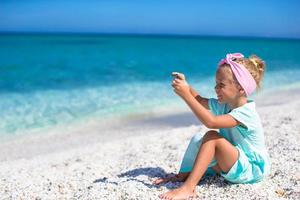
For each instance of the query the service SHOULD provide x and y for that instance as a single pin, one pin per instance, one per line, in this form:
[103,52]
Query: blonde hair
[255,65]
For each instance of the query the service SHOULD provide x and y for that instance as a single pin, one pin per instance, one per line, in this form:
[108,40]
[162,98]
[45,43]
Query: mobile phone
[175,74]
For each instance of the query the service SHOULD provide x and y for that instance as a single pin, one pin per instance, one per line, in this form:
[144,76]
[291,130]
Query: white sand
[81,164]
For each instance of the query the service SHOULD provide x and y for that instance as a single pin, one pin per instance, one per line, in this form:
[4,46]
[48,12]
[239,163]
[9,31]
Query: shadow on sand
[157,172]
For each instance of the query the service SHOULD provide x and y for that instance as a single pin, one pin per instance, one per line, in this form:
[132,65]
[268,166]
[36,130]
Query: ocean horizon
[153,35]
[49,80]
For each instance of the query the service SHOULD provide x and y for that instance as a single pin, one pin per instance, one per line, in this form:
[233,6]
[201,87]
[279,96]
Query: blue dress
[253,162]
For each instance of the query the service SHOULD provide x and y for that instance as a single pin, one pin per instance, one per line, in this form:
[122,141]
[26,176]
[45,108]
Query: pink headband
[242,75]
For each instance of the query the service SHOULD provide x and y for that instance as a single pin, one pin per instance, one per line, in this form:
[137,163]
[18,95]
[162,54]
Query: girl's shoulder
[247,115]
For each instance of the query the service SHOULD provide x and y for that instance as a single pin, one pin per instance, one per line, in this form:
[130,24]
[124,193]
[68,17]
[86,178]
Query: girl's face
[226,88]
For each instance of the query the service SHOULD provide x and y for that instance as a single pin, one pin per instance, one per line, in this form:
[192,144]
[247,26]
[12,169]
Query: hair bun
[253,61]
[259,63]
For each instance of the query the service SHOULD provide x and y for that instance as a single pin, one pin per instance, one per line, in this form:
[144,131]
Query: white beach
[120,159]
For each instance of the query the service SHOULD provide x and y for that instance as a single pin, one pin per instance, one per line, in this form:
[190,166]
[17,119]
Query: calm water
[55,79]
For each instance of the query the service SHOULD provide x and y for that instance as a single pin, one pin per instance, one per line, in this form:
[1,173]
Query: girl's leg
[186,164]
[181,176]
[213,145]
[216,168]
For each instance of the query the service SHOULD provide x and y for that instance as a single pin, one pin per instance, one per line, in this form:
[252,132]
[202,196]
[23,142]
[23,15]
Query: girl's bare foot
[179,193]
[180,177]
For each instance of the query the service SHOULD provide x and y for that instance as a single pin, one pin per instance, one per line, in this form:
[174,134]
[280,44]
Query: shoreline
[62,137]
[115,128]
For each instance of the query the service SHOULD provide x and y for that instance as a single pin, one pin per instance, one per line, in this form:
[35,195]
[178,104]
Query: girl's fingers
[158,181]
[176,80]
[175,86]
[161,180]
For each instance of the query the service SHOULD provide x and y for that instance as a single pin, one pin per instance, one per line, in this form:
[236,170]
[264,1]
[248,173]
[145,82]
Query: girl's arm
[206,117]
[190,96]
[203,101]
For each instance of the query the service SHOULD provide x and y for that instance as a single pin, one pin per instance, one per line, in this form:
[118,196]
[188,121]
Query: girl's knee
[209,135]
[197,139]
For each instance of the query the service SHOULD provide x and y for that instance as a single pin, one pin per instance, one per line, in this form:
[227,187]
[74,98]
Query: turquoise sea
[49,80]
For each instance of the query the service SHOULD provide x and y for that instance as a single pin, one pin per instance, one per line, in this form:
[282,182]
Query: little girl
[237,150]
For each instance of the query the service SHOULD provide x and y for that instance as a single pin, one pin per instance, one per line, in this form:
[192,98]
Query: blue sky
[277,18]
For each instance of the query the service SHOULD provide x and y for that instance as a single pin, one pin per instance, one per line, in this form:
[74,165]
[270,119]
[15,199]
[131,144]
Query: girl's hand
[178,75]
[181,87]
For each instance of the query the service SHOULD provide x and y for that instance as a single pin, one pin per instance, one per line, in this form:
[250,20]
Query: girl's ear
[241,90]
